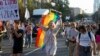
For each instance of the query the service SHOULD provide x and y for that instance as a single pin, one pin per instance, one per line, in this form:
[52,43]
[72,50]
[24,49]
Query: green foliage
[21,10]
[80,16]
[60,6]
[64,8]
[32,4]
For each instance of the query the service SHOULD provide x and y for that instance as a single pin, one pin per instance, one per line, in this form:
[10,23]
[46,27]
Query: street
[61,51]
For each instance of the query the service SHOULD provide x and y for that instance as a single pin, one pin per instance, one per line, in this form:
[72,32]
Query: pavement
[33,51]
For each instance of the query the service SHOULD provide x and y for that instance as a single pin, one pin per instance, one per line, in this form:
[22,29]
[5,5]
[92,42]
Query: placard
[9,10]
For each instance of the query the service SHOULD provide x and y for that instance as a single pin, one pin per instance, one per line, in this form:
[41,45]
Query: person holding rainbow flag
[49,26]
[50,41]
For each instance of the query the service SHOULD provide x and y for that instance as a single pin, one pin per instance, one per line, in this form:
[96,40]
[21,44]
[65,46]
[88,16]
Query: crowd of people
[82,40]
[20,35]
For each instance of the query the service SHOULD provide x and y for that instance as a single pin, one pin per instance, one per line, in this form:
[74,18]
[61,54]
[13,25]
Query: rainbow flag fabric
[41,33]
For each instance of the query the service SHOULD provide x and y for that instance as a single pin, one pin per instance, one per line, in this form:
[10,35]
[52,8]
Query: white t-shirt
[67,29]
[85,39]
[73,33]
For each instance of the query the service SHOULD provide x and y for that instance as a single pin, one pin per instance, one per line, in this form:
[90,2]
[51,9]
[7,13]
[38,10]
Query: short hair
[17,22]
[82,27]
[73,24]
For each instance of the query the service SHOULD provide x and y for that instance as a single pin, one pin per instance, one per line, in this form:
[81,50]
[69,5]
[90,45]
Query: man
[85,42]
[66,30]
[17,35]
[8,28]
[72,38]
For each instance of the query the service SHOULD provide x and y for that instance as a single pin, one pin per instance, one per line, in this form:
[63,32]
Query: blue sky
[86,5]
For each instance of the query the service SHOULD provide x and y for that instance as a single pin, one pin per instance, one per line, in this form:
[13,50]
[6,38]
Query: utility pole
[25,3]
[40,4]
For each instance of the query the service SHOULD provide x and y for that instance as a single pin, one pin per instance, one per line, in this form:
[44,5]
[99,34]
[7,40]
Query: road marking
[31,51]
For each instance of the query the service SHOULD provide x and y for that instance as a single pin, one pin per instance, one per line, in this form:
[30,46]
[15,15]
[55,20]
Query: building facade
[76,11]
[96,5]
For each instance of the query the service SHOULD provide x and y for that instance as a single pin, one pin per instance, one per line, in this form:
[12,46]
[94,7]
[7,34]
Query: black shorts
[17,50]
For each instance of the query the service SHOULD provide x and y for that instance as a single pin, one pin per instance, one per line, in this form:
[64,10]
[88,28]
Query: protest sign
[9,10]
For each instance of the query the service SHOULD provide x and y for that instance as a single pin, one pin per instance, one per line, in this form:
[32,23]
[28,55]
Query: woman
[8,27]
[17,35]
[98,39]
[84,41]
[50,41]
[29,35]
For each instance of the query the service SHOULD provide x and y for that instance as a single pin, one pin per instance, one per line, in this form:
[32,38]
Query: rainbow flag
[40,38]
[45,21]
[51,16]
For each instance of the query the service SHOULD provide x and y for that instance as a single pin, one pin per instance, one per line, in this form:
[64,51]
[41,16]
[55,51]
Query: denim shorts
[85,51]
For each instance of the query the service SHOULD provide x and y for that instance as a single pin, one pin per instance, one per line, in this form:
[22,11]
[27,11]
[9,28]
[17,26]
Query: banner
[9,10]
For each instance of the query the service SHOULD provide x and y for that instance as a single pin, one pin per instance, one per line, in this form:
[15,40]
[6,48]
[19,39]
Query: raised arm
[18,34]
[58,25]
[41,26]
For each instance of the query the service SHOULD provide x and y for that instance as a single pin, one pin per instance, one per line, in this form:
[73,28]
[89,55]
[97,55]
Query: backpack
[89,34]
[86,49]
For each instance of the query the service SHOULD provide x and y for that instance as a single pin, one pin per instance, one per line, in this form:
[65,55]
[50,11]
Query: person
[34,33]
[22,27]
[66,30]
[29,35]
[97,34]
[94,28]
[72,39]
[17,35]
[85,42]
[8,27]
[89,28]
[1,35]
[50,41]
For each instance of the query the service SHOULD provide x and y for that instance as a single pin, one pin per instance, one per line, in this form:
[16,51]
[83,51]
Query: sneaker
[23,45]
[1,51]
[28,46]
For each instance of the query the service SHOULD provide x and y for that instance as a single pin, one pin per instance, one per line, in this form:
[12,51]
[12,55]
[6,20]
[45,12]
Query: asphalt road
[61,51]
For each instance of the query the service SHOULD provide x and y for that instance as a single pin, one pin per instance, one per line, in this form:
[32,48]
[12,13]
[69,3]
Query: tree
[81,16]
[21,10]
[32,4]
[63,6]
[29,5]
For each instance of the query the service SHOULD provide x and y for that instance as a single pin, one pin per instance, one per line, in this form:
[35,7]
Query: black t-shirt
[18,42]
